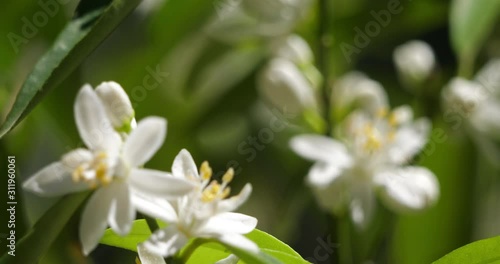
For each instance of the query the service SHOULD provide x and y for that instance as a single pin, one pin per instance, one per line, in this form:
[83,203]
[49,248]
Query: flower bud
[285,86]
[295,49]
[414,62]
[355,89]
[117,105]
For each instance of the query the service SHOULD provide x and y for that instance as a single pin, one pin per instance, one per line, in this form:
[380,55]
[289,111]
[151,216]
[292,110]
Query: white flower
[284,85]
[474,102]
[414,61]
[117,105]
[370,159]
[110,166]
[355,89]
[204,213]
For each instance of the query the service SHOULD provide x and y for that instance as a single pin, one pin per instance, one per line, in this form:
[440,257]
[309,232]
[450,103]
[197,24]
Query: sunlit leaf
[480,252]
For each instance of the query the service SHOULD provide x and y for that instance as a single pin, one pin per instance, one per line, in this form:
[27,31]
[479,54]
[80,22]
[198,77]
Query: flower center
[214,190]
[381,131]
[94,172]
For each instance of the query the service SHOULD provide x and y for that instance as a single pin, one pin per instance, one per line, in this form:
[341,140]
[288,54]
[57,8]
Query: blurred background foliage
[207,91]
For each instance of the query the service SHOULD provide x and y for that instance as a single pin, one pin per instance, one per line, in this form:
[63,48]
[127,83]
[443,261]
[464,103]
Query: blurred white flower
[284,85]
[356,90]
[110,166]
[370,159]
[117,105]
[242,20]
[414,61]
[294,48]
[474,102]
[204,213]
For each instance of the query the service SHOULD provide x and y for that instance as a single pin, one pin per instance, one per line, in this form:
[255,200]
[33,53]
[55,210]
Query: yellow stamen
[205,171]
[77,174]
[372,142]
[393,119]
[228,176]
[137,260]
[226,192]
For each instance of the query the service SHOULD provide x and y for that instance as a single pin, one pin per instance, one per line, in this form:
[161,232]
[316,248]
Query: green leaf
[480,252]
[209,251]
[37,241]
[139,233]
[471,21]
[77,40]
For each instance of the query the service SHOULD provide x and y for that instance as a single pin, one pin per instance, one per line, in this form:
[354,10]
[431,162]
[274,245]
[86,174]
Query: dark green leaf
[471,21]
[38,240]
[78,39]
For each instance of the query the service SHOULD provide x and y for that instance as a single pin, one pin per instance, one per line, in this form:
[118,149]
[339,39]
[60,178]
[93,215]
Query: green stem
[344,235]
[184,255]
[466,65]
[152,224]
[324,39]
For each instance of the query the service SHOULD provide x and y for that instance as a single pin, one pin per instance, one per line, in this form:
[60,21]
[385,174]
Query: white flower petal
[166,242]
[295,49]
[93,123]
[184,166]
[489,77]
[122,212]
[231,259]
[234,202]
[321,148]
[76,157]
[94,219]
[239,241]
[333,197]
[158,183]
[408,188]
[409,140]
[283,85]
[356,89]
[229,223]
[148,257]
[116,103]
[486,118]
[53,180]
[362,205]
[144,141]
[402,114]
[156,208]
[329,185]
[322,174]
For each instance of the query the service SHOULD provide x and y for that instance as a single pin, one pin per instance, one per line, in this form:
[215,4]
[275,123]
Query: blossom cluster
[117,147]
